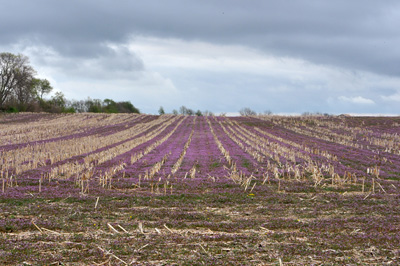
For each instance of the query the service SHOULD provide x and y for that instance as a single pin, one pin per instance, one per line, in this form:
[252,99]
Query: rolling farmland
[125,189]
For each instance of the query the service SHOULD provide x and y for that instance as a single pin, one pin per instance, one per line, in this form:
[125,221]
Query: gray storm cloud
[355,34]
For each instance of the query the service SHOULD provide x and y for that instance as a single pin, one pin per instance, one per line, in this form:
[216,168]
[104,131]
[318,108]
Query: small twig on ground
[97,201]
[158,231]
[38,228]
[203,248]
[123,229]
[381,187]
[255,183]
[112,255]
[143,247]
[51,231]
[63,199]
[112,228]
[280,262]
[168,229]
[367,196]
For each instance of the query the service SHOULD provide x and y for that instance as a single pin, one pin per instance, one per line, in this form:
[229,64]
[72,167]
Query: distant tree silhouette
[247,112]
[161,111]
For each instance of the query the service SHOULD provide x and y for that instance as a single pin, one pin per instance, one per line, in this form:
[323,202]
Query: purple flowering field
[128,189]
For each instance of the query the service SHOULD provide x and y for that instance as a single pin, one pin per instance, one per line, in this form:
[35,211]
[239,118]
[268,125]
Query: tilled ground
[235,227]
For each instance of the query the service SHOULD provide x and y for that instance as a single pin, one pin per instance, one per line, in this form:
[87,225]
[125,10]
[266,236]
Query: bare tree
[23,90]
[208,113]
[247,112]
[268,112]
[183,110]
[15,74]
[79,106]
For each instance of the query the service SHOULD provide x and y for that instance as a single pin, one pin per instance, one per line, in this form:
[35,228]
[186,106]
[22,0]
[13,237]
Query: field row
[137,149]
[97,189]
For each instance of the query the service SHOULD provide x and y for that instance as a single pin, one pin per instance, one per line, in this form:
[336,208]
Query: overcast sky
[220,55]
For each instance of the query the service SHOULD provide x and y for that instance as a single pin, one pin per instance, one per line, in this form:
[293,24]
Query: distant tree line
[246,111]
[21,91]
[183,110]
[99,106]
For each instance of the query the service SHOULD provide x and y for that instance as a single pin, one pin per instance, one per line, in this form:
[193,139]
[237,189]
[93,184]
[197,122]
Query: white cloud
[201,56]
[147,87]
[356,100]
[392,98]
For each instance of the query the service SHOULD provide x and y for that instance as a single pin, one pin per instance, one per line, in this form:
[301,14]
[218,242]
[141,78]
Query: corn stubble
[95,155]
